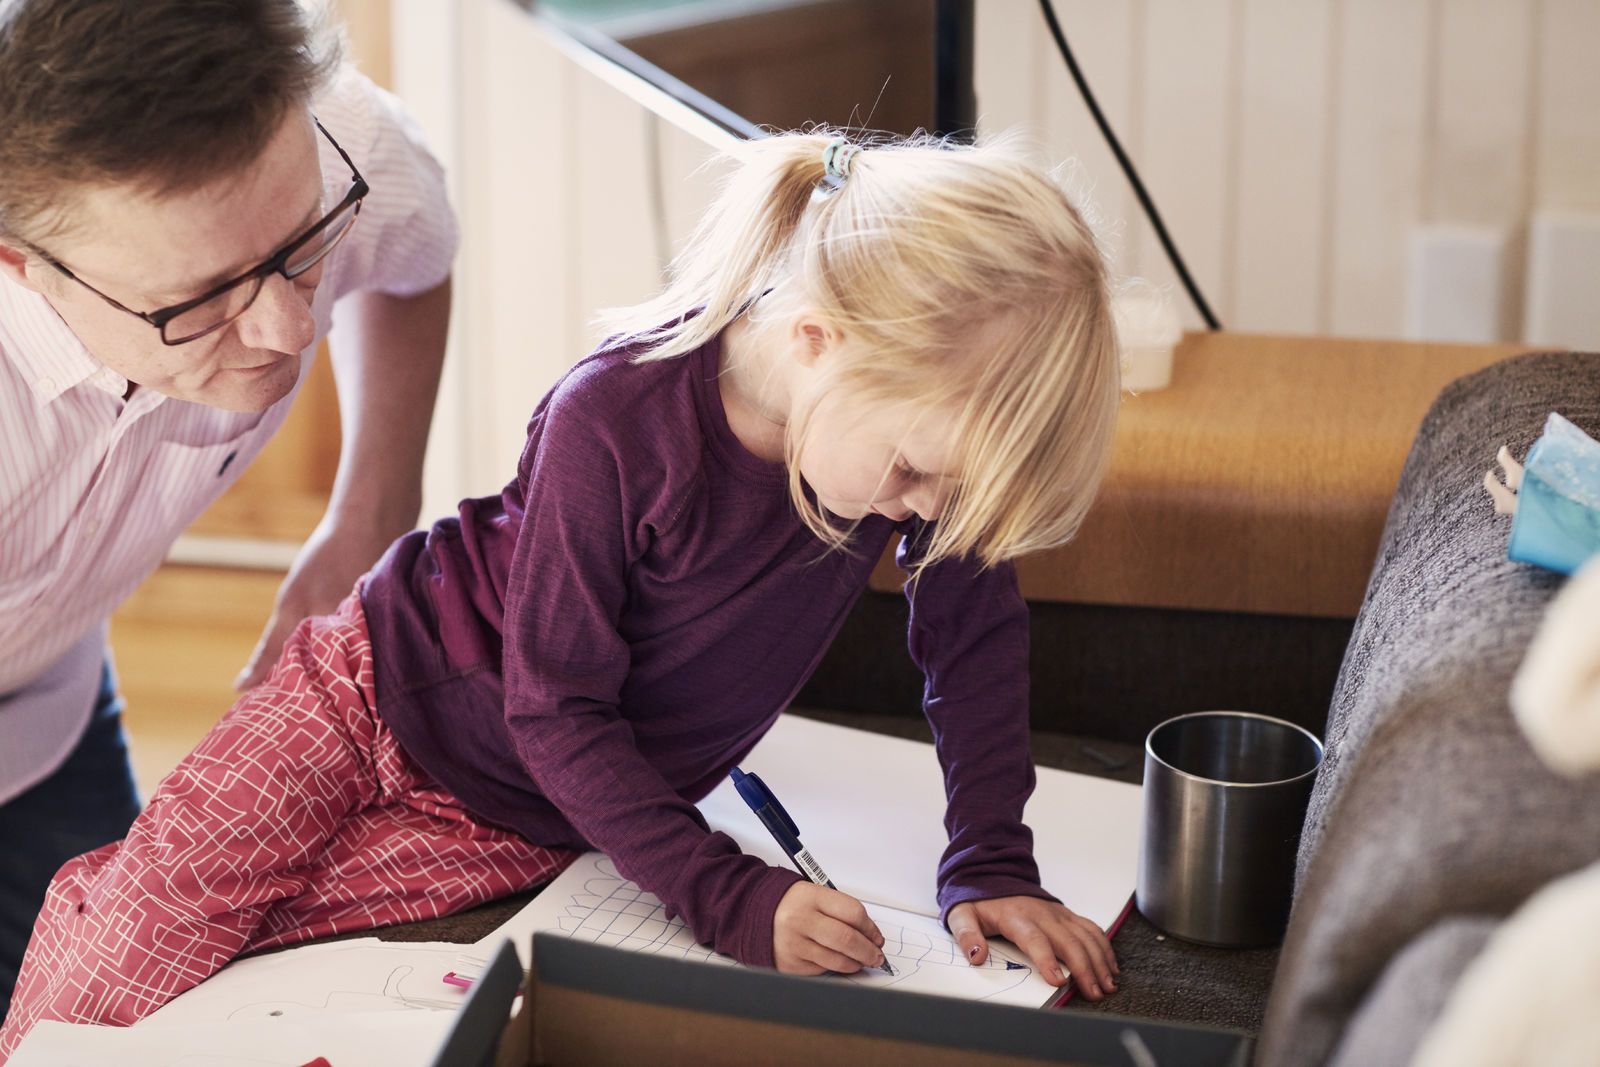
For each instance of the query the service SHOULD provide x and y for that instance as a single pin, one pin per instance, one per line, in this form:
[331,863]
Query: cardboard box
[587,1004]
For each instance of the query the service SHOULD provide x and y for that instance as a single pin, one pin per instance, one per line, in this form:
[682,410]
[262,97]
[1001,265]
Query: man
[186,189]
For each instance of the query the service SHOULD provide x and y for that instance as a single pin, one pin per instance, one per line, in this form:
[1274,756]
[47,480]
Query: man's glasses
[215,308]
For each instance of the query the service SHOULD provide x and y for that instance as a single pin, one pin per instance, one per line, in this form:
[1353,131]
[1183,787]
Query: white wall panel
[1106,41]
[1481,105]
[1377,162]
[1187,143]
[1481,144]
[554,179]
[1567,134]
[1282,170]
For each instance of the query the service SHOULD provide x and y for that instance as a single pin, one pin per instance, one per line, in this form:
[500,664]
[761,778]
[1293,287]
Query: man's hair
[163,95]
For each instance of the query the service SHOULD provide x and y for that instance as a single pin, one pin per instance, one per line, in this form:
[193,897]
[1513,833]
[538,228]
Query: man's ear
[814,338]
[14,265]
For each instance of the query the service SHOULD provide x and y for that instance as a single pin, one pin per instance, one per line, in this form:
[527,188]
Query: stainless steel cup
[1225,795]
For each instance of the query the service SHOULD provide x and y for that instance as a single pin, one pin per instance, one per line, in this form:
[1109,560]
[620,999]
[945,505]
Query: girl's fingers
[1032,941]
[1100,944]
[844,942]
[829,960]
[964,927]
[850,911]
[1077,948]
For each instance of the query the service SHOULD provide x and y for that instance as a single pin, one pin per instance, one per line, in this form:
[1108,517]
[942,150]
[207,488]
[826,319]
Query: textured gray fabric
[1430,803]
[1391,1022]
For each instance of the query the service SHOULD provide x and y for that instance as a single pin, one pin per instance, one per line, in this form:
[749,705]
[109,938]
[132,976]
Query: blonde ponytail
[739,250]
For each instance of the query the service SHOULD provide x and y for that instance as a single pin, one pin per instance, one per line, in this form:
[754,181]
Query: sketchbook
[870,808]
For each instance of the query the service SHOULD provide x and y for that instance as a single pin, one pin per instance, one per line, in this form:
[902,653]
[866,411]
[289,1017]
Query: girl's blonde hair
[960,278]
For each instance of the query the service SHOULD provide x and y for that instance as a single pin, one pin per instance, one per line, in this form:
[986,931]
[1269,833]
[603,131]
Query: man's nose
[279,319]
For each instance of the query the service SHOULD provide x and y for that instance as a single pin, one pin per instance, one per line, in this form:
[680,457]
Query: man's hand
[323,574]
[1048,932]
[818,929]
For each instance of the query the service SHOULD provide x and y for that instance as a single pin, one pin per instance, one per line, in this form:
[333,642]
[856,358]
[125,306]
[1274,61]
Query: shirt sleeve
[969,636]
[405,238]
[565,663]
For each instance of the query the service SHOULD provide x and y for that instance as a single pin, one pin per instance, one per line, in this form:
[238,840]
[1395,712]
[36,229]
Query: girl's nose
[926,502]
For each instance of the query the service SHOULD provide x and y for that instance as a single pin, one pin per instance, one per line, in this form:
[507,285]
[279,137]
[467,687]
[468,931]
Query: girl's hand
[818,929]
[1048,932]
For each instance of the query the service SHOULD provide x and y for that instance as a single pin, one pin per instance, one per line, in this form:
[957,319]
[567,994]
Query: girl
[913,339]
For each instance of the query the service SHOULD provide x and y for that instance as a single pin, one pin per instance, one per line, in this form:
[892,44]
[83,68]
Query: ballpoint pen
[765,804]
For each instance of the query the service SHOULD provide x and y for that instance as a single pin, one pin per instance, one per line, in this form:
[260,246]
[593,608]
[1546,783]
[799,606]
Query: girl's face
[861,459]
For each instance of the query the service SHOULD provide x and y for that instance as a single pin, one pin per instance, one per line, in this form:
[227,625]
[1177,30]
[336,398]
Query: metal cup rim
[1315,740]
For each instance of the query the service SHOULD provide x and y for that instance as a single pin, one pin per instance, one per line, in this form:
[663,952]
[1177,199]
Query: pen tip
[888,969]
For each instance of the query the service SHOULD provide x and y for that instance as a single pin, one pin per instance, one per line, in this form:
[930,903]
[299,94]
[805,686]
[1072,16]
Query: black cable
[1127,168]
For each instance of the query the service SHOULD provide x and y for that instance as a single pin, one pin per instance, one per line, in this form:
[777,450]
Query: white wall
[553,156]
[1297,147]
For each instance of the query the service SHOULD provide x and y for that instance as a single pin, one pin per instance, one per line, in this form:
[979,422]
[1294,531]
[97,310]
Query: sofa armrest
[1430,802]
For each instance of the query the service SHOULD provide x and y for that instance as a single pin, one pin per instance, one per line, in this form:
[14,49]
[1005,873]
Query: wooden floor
[179,641]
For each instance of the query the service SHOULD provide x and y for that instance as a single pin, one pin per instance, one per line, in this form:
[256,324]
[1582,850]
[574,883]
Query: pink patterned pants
[297,816]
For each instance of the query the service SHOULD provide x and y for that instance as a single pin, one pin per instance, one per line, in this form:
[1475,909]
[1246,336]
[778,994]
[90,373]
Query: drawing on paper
[404,989]
[611,910]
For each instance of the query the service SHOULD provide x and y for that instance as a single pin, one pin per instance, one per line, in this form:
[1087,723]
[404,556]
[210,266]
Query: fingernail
[1110,984]
[972,953]
[1055,975]
[1094,991]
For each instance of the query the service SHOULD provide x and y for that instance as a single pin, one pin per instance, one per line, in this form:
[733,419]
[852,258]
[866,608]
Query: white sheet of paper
[871,810]
[317,981]
[388,1039]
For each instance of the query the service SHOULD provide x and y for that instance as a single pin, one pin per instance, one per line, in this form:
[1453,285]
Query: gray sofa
[1431,819]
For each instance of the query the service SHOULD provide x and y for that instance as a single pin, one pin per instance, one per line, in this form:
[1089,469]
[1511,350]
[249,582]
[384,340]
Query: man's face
[149,253]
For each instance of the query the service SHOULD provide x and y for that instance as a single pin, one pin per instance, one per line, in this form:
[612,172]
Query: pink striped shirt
[94,489]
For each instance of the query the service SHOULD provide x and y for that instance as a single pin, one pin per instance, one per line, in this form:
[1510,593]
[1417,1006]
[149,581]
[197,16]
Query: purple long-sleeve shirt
[583,657]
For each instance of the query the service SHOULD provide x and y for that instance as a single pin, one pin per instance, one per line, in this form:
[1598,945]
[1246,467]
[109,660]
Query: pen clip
[763,797]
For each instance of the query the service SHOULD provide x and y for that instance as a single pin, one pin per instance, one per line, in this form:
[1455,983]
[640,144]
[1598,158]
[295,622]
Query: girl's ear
[814,338]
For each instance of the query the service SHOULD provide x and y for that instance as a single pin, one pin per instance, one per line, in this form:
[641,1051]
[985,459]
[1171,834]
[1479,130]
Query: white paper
[591,901]
[381,1040]
[318,981]
[871,810]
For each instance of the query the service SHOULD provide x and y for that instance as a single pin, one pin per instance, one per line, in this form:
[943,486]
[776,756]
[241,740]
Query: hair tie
[837,157]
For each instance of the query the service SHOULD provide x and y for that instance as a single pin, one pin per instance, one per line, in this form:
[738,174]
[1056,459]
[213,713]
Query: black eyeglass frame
[273,264]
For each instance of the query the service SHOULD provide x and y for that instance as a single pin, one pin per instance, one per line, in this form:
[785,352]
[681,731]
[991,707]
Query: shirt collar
[44,348]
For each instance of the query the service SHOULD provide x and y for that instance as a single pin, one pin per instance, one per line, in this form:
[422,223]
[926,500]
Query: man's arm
[387,355]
